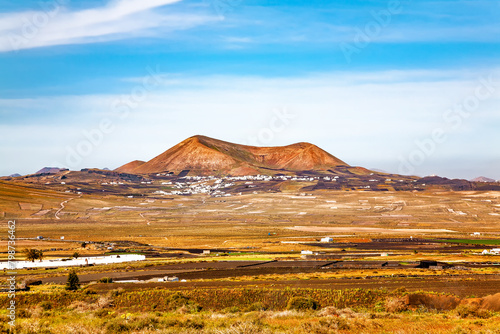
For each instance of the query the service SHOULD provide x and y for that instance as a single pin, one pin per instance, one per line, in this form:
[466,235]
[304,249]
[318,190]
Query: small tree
[33,254]
[39,255]
[76,255]
[73,282]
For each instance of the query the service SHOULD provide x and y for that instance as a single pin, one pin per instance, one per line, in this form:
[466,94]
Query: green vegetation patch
[471,241]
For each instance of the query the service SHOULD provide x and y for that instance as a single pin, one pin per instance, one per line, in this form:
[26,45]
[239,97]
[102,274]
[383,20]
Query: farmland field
[388,244]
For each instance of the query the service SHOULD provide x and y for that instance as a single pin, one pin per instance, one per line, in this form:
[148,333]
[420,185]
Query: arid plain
[333,249]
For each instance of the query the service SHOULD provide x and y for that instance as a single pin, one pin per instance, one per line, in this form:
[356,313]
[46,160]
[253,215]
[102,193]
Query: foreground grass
[327,320]
[245,311]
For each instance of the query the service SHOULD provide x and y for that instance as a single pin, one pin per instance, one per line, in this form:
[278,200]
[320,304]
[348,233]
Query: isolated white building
[327,239]
[494,251]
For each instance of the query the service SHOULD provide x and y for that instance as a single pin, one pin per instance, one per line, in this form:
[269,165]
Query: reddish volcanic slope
[128,168]
[204,155]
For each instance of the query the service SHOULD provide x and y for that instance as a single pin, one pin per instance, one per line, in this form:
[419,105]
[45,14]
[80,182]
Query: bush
[179,302]
[194,324]
[116,292]
[302,304]
[89,292]
[396,305]
[255,307]
[105,280]
[332,311]
[145,322]
[473,311]
[329,325]
[45,305]
[117,327]
[23,313]
[231,309]
[101,313]
[73,282]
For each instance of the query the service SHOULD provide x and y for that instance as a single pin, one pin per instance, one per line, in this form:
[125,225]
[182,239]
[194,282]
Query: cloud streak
[121,19]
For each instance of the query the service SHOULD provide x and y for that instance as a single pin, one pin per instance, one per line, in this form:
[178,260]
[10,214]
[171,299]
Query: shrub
[302,304]
[117,327]
[328,325]
[258,306]
[332,311]
[101,313]
[194,324]
[179,302]
[23,313]
[231,309]
[104,302]
[466,310]
[145,322]
[472,310]
[395,305]
[116,292]
[105,280]
[73,282]
[45,305]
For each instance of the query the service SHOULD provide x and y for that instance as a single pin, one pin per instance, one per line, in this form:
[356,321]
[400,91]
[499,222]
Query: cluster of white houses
[197,187]
[215,186]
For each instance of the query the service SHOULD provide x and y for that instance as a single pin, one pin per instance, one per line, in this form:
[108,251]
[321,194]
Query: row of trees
[33,254]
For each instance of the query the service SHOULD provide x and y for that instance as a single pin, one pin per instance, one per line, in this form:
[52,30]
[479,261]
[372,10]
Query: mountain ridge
[205,155]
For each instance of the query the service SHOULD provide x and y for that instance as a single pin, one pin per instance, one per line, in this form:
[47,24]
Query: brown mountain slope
[129,167]
[205,155]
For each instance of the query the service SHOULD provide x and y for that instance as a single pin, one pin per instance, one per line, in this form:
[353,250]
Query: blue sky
[404,86]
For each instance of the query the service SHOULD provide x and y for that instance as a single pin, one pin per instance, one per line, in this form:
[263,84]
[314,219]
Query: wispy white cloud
[119,19]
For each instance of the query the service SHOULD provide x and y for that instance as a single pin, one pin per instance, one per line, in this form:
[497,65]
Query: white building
[494,251]
[327,239]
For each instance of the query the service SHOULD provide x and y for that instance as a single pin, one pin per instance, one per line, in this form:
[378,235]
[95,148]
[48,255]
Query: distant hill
[482,179]
[203,156]
[127,168]
[51,170]
[379,171]
[15,175]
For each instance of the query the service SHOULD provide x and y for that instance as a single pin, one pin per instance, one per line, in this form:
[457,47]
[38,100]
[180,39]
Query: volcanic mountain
[482,179]
[207,156]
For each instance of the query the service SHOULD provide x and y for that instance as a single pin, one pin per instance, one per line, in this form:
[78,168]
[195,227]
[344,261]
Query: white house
[494,251]
[306,252]
[327,239]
